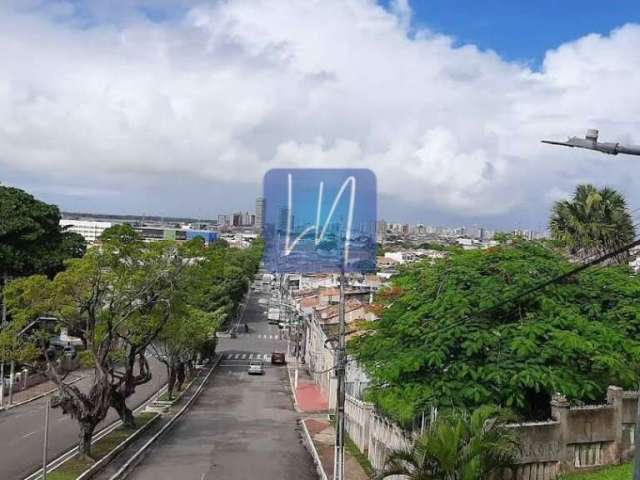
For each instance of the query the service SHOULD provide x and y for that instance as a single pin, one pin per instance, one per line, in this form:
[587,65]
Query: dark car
[278,358]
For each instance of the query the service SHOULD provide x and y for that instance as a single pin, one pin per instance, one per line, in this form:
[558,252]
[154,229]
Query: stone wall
[576,438]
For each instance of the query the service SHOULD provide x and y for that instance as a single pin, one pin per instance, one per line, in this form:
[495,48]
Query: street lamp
[590,142]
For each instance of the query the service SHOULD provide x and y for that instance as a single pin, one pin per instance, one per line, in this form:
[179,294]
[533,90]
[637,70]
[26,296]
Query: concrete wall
[576,438]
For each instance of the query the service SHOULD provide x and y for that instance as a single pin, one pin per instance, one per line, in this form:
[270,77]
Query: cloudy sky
[179,106]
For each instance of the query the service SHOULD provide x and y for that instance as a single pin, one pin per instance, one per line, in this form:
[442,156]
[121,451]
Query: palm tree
[458,446]
[593,222]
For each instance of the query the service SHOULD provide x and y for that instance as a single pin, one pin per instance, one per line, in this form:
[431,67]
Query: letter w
[319,234]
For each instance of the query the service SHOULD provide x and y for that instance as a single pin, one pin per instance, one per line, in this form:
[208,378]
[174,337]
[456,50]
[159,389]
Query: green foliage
[439,342]
[31,240]
[503,237]
[433,246]
[458,446]
[593,222]
[84,359]
[617,472]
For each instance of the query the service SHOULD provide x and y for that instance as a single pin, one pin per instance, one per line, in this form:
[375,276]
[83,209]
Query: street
[22,429]
[241,427]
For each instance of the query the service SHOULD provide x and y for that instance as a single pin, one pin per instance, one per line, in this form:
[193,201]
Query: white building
[90,230]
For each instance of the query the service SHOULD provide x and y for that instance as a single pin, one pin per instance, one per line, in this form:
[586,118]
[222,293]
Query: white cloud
[236,87]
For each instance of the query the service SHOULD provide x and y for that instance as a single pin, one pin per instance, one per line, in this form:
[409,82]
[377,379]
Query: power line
[540,286]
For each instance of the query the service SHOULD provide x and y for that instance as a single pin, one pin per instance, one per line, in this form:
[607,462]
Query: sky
[179,107]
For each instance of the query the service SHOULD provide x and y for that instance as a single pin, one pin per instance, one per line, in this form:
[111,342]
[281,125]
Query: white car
[256,367]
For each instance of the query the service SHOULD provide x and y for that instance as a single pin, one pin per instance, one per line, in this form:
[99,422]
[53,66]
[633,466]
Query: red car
[278,358]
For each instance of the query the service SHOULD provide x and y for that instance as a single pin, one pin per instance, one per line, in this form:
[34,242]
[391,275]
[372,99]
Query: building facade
[90,230]
[260,206]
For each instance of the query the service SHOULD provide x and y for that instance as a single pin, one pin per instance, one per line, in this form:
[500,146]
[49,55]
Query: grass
[73,468]
[361,458]
[618,472]
[177,394]
[353,450]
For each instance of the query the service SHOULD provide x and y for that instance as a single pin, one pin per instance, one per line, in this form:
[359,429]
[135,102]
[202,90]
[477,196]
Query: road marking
[250,356]
[28,435]
[244,355]
[237,355]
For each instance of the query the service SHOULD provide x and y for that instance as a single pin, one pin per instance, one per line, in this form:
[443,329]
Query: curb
[39,396]
[104,461]
[308,441]
[137,457]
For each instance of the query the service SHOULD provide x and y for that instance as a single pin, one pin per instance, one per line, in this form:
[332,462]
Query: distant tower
[260,204]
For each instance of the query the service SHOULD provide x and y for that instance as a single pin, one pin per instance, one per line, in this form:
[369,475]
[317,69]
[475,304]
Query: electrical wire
[542,285]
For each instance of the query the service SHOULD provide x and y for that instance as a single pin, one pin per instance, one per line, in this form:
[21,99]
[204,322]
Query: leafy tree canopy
[440,342]
[31,240]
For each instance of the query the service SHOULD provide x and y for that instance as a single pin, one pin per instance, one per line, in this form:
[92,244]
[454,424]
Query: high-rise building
[381,230]
[237,219]
[260,206]
[248,219]
[224,220]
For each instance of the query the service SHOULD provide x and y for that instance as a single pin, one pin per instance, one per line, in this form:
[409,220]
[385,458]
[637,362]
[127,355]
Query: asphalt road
[241,427]
[22,428]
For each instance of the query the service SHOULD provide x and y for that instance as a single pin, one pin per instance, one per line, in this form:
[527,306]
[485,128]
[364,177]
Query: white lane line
[28,435]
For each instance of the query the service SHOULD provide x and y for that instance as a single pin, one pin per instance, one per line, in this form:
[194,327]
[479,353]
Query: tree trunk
[171,383]
[86,434]
[181,375]
[119,404]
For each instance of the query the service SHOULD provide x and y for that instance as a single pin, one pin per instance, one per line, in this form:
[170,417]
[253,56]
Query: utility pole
[2,383]
[5,280]
[11,379]
[636,460]
[45,441]
[338,462]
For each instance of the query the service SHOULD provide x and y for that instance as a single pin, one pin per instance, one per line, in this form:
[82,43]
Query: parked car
[256,367]
[278,358]
[70,351]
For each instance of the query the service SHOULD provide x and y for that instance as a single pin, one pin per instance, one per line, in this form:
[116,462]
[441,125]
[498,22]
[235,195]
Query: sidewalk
[323,436]
[309,399]
[308,396]
[40,390]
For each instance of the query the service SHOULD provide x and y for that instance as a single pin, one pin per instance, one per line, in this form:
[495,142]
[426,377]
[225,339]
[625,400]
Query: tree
[31,240]
[593,222]
[114,297]
[458,446]
[156,273]
[190,332]
[440,341]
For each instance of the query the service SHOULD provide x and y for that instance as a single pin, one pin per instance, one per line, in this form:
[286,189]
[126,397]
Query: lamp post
[590,142]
